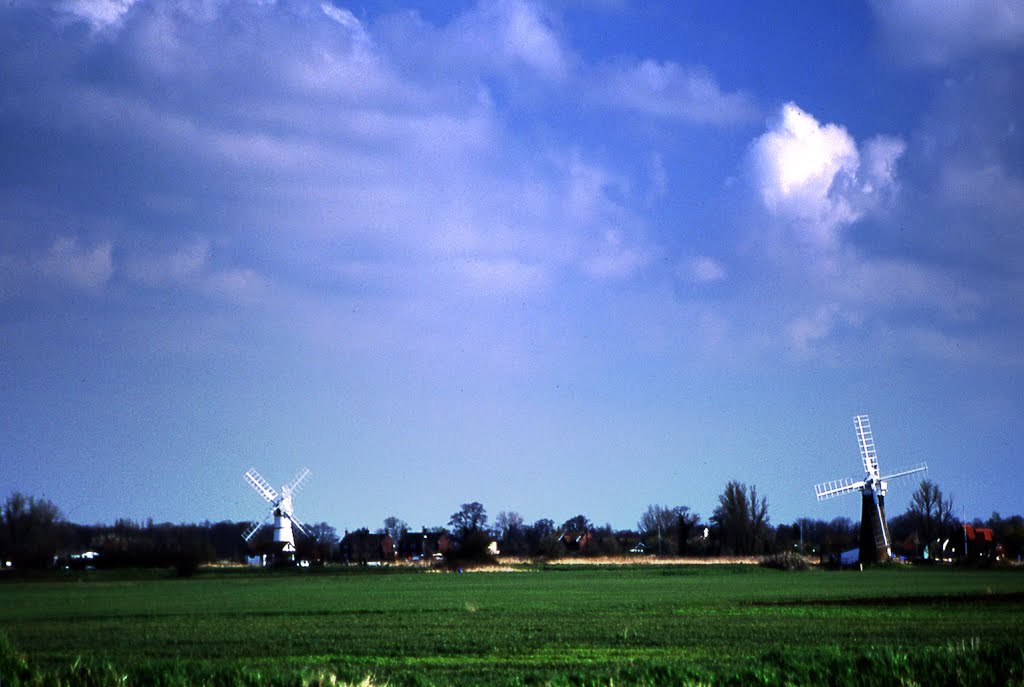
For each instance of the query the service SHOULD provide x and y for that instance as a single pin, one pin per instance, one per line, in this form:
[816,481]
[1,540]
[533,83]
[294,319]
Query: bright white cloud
[84,268]
[816,181]
[99,14]
[936,32]
[811,175]
[668,89]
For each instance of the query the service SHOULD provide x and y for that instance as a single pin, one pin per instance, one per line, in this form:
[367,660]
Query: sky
[559,258]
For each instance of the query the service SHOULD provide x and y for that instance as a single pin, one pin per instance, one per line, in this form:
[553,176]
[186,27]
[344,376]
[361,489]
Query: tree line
[33,534]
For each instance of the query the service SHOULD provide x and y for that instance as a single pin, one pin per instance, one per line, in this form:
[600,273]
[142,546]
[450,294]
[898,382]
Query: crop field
[540,625]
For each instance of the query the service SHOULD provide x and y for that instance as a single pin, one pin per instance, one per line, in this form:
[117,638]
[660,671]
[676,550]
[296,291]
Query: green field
[536,626]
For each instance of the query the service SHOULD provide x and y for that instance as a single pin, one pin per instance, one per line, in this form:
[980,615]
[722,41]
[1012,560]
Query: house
[362,547]
[424,545]
[980,542]
[576,541]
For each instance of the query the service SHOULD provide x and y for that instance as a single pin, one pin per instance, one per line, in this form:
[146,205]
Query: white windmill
[875,542]
[281,510]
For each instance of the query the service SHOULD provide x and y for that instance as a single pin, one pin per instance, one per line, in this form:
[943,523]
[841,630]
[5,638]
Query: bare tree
[741,520]
[930,512]
[511,532]
[322,533]
[666,529]
[395,528]
[508,523]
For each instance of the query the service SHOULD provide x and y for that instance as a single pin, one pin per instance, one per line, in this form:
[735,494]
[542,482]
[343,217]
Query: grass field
[559,625]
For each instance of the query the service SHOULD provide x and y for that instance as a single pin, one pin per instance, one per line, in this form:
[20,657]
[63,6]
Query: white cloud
[80,267]
[179,267]
[668,89]
[936,32]
[511,33]
[189,267]
[701,270]
[807,331]
[614,258]
[888,284]
[811,175]
[505,275]
[816,181]
[99,14]
[658,177]
[985,186]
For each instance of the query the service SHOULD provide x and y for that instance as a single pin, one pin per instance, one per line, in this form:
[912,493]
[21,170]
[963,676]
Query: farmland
[536,625]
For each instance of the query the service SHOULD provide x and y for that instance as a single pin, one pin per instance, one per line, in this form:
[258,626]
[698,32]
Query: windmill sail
[866,441]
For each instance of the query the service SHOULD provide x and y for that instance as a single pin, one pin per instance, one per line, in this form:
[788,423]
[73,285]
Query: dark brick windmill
[875,542]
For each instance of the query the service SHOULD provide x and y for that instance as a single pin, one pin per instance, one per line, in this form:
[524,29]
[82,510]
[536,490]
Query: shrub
[784,561]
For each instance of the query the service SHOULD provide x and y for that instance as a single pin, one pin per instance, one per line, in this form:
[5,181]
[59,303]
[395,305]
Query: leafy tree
[29,530]
[931,513]
[1009,532]
[665,530]
[577,523]
[741,520]
[471,518]
[542,539]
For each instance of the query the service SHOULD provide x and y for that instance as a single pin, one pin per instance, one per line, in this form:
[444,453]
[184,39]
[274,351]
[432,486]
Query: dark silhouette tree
[577,523]
[665,530]
[931,513]
[511,533]
[471,518]
[395,527]
[543,540]
[29,530]
[741,520]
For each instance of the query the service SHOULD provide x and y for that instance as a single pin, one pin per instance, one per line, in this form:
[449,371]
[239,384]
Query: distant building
[981,542]
[362,547]
[576,541]
[424,545]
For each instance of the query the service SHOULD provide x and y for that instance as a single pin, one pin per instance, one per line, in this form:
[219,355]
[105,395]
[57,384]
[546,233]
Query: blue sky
[559,258]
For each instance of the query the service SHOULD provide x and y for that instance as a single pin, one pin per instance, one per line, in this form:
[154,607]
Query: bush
[474,549]
[784,561]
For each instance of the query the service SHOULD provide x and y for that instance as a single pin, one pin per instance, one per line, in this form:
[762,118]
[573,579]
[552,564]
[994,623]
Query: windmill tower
[281,510]
[875,542]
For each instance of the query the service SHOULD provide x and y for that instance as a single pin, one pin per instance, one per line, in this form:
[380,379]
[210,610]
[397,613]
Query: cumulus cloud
[83,268]
[668,89]
[815,181]
[814,177]
[936,32]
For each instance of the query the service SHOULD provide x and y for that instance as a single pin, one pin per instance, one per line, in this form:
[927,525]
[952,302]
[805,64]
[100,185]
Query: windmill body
[875,542]
[282,512]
